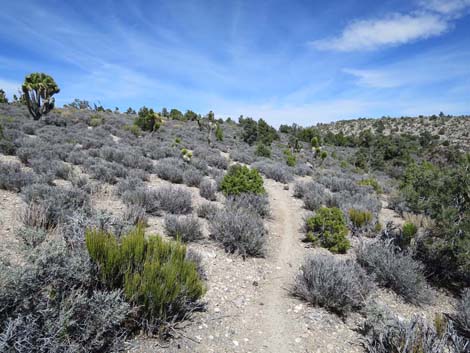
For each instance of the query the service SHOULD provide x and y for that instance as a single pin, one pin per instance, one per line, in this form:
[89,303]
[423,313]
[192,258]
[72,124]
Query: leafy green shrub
[154,274]
[96,120]
[133,129]
[359,218]
[291,159]
[240,179]
[262,150]
[219,133]
[373,183]
[409,231]
[148,120]
[327,228]
[395,270]
[335,284]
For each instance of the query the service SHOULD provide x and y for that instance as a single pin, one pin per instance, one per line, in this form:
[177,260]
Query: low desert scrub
[154,274]
[276,171]
[174,199]
[207,210]
[386,333]
[251,202]
[372,182]
[395,270]
[142,197]
[241,179]
[327,228]
[338,285]
[184,228]
[171,169]
[58,203]
[12,178]
[208,189]
[239,230]
[461,318]
[31,237]
[129,184]
[54,168]
[135,214]
[192,177]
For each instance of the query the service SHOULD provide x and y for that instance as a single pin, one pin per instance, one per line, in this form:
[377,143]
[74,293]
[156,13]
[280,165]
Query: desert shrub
[386,333]
[58,202]
[34,215]
[337,285]
[207,210]
[373,183]
[263,151]
[303,169]
[192,177]
[153,273]
[208,189]
[185,228]
[31,237]
[359,218]
[395,270]
[54,168]
[461,318]
[196,258]
[109,172]
[242,156]
[171,169]
[49,305]
[276,171]
[327,228]
[129,184]
[148,120]
[134,214]
[251,202]
[409,232]
[313,195]
[239,231]
[142,197]
[12,178]
[240,179]
[216,160]
[174,199]
[291,159]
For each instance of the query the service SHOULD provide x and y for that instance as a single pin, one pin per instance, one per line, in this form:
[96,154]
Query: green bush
[240,179]
[262,150]
[96,120]
[360,218]
[154,274]
[291,160]
[219,133]
[327,228]
[133,129]
[371,182]
[148,120]
[409,231]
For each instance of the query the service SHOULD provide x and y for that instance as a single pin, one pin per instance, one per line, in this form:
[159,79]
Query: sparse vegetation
[338,285]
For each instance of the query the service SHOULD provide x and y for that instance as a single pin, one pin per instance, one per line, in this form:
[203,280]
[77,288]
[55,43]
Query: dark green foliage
[175,114]
[327,228]
[337,285]
[291,159]
[396,270]
[359,218]
[148,120]
[262,150]
[444,195]
[409,232]
[371,182]
[154,274]
[3,97]
[240,179]
[257,131]
[38,89]
[219,133]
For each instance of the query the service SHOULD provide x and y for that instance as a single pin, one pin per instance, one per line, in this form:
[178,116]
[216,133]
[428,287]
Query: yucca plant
[38,89]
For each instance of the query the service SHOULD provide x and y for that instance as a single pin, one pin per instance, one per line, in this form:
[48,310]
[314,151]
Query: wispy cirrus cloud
[393,30]
[432,18]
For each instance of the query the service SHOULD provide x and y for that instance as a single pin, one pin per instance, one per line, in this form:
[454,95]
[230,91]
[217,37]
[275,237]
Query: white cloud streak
[395,29]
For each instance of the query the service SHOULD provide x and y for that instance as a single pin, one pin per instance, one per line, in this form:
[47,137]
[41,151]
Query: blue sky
[284,61]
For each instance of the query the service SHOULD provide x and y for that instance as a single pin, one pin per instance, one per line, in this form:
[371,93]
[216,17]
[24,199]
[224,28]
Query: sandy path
[275,328]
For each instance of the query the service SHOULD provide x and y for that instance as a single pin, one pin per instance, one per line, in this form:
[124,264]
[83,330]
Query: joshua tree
[3,97]
[38,89]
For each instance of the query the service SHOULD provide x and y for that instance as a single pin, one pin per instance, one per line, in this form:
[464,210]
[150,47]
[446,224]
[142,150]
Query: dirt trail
[276,329]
